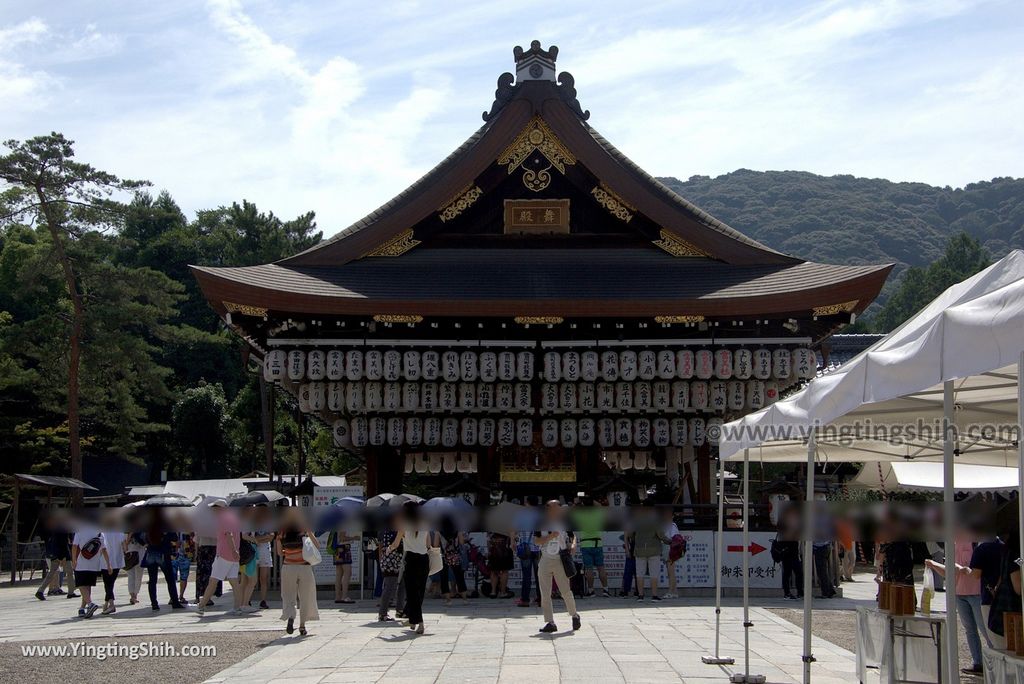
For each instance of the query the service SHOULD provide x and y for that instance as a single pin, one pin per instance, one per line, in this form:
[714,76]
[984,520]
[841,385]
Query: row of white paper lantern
[448,462]
[488,366]
[485,432]
[698,395]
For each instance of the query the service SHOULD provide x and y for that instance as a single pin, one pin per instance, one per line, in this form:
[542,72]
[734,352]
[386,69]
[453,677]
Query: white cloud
[21,87]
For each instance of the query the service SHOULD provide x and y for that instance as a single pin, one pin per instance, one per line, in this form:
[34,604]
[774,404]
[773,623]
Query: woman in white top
[417,539]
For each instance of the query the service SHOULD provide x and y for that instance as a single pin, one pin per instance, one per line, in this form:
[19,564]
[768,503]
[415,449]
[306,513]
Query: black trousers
[460,579]
[793,568]
[108,583]
[417,566]
[822,558]
[154,578]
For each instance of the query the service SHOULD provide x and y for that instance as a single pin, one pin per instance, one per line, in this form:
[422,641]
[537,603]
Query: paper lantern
[296,365]
[662,394]
[623,432]
[335,365]
[374,396]
[469,432]
[628,365]
[714,430]
[421,465]
[378,431]
[317,396]
[781,364]
[467,396]
[358,430]
[486,432]
[342,433]
[697,431]
[410,462]
[450,432]
[718,395]
[678,432]
[805,363]
[606,433]
[430,363]
[354,397]
[587,432]
[429,396]
[647,364]
[412,367]
[396,431]
[373,362]
[723,364]
[743,364]
[506,432]
[590,363]
[642,399]
[605,396]
[304,397]
[435,459]
[680,395]
[699,395]
[392,365]
[506,365]
[610,366]
[570,433]
[666,364]
[549,432]
[413,431]
[568,400]
[485,396]
[704,364]
[737,395]
[449,462]
[524,396]
[505,396]
[467,464]
[447,396]
[552,366]
[684,364]
[336,396]
[432,431]
[469,368]
[571,366]
[392,396]
[762,364]
[524,432]
[275,365]
[624,396]
[755,394]
[354,364]
[548,397]
[642,432]
[524,366]
[410,396]
[587,396]
[488,366]
[771,392]
[450,366]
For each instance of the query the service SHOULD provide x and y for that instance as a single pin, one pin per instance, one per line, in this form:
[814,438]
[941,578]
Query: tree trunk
[74,352]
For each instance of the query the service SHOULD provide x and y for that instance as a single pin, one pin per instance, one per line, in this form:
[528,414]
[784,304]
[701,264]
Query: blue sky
[337,106]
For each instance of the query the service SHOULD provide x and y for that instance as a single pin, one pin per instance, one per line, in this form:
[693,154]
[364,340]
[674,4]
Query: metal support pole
[1020,450]
[14,528]
[746,677]
[717,659]
[808,657]
[949,444]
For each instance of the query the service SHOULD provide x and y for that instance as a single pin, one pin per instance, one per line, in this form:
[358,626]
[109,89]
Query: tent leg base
[712,660]
[740,678]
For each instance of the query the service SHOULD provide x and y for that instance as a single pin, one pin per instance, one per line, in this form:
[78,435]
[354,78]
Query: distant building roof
[190,489]
[55,481]
[842,348]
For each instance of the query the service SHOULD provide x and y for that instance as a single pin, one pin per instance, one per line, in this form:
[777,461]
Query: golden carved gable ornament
[458,204]
[830,309]
[536,137]
[615,205]
[396,246]
[678,247]
[245,309]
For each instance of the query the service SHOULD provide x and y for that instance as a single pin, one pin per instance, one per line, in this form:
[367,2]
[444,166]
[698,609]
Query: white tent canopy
[928,477]
[969,330]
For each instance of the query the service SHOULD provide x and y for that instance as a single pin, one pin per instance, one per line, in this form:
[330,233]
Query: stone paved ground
[480,641]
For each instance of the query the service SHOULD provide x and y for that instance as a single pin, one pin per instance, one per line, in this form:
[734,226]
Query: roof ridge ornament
[535,64]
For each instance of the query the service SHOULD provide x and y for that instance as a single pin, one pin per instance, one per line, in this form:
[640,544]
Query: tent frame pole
[808,656]
[949,445]
[1020,452]
[746,677]
[717,659]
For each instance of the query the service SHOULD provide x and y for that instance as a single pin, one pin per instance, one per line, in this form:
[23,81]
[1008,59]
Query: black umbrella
[260,497]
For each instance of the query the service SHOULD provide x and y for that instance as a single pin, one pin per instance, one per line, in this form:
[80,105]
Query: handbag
[131,559]
[776,550]
[246,552]
[435,560]
[310,553]
[91,548]
[568,565]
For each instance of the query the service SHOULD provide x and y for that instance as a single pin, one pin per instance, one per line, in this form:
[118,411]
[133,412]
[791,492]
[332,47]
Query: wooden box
[1013,628]
[884,589]
[902,599]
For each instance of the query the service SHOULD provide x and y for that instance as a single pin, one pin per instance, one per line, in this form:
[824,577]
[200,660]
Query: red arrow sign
[755,549]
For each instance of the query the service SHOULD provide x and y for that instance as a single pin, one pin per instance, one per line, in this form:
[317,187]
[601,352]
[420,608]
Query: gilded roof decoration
[830,309]
[679,319]
[462,201]
[245,309]
[396,246]
[615,205]
[676,246]
[536,136]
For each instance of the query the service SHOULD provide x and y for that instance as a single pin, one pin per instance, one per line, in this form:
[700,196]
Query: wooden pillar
[267,423]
